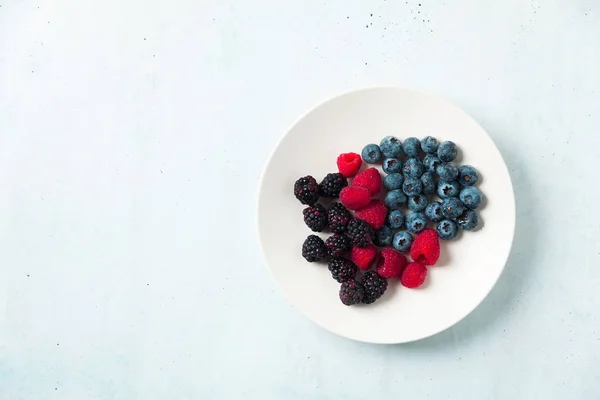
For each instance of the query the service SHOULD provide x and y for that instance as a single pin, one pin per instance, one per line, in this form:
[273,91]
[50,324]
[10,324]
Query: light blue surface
[132,138]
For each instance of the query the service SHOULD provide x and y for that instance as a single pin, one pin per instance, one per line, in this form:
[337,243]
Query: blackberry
[360,233]
[338,217]
[306,190]
[351,292]
[315,217]
[374,287]
[342,269]
[332,185]
[313,249]
[337,245]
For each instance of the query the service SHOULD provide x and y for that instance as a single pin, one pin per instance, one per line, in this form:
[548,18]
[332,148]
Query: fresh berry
[431,162]
[332,185]
[313,249]
[467,175]
[430,145]
[428,182]
[371,154]
[395,219]
[393,181]
[402,241]
[426,247]
[374,286]
[414,275]
[411,147]
[338,217]
[413,168]
[342,269]
[391,147]
[355,197]
[363,256]
[418,202]
[383,236]
[351,292]
[446,229]
[452,207]
[306,190]
[412,186]
[447,151]
[369,179]
[374,213]
[315,217]
[468,220]
[447,189]
[395,199]
[360,233]
[447,172]
[348,164]
[471,197]
[416,222]
[434,211]
[337,245]
[391,165]
[390,263]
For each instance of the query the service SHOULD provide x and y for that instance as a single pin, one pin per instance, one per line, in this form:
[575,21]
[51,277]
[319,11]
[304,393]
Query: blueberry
[393,181]
[418,202]
[447,172]
[391,147]
[430,145]
[413,168]
[468,220]
[371,154]
[434,211]
[467,175]
[447,189]
[402,241]
[471,197]
[411,147]
[395,199]
[412,186]
[446,229]
[383,236]
[447,151]
[452,207]
[431,162]
[428,183]
[416,222]
[395,219]
[391,165]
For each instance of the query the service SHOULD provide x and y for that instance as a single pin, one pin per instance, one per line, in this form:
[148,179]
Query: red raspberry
[391,263]
[369,179]
[414,275]
[426,247]
[355,197]
[374,213]
[363,256]
[349,164]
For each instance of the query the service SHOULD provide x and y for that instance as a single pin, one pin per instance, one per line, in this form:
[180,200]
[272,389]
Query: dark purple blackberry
[374,286]
[337,245]
[360,232]
[332,185]
[315,217]
[338,217]
[313,249]
[351,292]
[342,269]
[306,190]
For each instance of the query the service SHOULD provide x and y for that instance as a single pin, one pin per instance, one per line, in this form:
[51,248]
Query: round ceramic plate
[468,267]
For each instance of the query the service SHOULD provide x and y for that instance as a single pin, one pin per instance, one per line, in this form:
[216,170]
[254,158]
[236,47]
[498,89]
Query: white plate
[468,267]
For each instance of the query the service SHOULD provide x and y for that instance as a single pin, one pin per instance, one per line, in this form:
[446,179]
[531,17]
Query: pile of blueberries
[417,171]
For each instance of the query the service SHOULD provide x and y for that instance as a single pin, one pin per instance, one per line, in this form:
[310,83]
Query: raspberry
[363,256]
[374,213]
[306,190]
[332,185]
[313,249]
[351,292]
[342,269]
[315,217]
[338,217]
[426,247]
[355,197]
[369,179]
[374,286]
[360,233]
[349,164]
[337,245]
[414,275]
[391,263]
